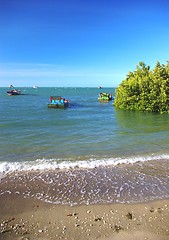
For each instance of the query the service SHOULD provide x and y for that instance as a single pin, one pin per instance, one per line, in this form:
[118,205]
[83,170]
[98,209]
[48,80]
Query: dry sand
[24,219]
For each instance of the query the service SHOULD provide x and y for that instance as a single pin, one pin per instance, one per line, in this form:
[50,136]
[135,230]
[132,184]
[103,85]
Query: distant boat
[13,91]
[35,86]
[105,97]
[100,87]
[58,102]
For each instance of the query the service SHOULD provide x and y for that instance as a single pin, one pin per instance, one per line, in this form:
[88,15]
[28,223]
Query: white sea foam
[46,164]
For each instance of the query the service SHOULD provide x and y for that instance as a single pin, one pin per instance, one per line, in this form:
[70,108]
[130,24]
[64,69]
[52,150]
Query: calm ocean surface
[87,153]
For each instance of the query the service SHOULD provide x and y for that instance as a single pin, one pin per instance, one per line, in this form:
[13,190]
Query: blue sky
[80,43]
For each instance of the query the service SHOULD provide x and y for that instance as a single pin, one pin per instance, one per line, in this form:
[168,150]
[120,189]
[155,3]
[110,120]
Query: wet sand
[30,219]
[124,183]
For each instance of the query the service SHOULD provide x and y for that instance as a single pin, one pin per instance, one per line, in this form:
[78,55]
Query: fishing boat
[105,97]
[58,102]
[13,91]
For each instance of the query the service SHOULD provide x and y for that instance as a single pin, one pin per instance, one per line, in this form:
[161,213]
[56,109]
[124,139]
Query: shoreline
[30,219]
[91,186]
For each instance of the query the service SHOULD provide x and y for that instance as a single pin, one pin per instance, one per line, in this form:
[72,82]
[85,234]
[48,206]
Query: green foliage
[145,89]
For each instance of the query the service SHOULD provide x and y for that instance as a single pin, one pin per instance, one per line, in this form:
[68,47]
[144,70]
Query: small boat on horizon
[35,86]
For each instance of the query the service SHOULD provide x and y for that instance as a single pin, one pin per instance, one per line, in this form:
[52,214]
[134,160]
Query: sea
[88,153]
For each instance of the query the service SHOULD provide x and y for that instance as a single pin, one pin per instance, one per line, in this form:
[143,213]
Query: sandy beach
[29,219]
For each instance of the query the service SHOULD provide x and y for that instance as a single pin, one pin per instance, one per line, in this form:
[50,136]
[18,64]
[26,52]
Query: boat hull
[57,105]
[104,99]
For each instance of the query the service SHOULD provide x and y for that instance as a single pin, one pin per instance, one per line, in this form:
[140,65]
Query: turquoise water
[85,136]
[88,128]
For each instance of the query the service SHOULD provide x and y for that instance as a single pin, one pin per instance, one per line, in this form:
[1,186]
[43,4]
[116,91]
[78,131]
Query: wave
[53,164]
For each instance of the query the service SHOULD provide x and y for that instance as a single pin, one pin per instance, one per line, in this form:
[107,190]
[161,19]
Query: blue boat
[58,102]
